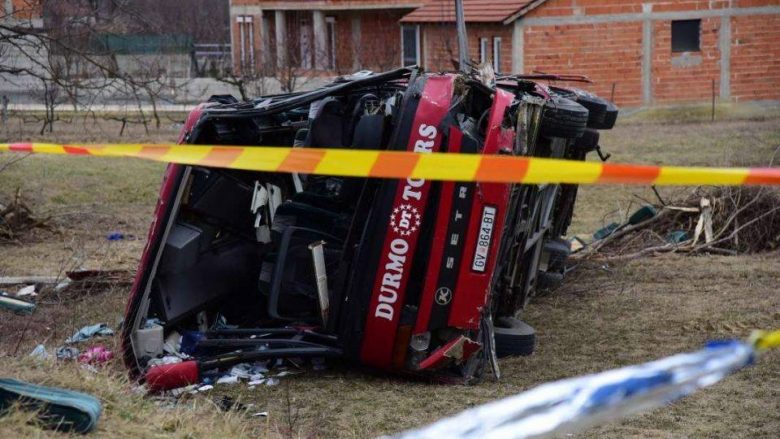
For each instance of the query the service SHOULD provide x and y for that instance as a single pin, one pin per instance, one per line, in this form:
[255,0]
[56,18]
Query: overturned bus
[411,276]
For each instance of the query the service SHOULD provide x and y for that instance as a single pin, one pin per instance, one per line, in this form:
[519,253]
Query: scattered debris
[168,359]
[40,353]
[87,332]
[722,220]
[227,379]
[66,353]
[29,290]
[96,355]
[58,409]
[172,343]
[115,236]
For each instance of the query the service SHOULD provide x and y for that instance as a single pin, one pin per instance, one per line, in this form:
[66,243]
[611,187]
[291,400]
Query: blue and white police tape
[574,404]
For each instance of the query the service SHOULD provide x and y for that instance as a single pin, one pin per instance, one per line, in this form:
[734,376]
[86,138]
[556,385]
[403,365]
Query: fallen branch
[593,248]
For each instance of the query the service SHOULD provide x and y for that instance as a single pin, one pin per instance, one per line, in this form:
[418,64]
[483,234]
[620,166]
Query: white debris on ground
[29,290]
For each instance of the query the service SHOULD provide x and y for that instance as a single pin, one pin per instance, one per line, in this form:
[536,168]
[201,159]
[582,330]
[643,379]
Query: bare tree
[77,52]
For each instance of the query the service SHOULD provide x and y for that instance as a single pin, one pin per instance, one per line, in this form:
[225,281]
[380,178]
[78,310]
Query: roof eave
[524,10]
[426,21]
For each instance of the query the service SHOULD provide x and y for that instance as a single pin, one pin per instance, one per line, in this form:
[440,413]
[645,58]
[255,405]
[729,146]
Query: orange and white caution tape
[402,164]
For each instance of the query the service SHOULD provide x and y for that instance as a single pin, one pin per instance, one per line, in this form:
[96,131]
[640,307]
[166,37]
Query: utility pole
[463,41]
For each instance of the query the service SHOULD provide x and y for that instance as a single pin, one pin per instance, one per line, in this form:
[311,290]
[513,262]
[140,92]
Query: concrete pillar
[518,54]
[647,55]
[265,41]
[356,42]
[320,40]
[647,62]
[281,39]
[251,41]
[725,57]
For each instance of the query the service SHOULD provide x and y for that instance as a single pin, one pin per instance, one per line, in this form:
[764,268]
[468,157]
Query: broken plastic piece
[59,409]
[321,276]
[149,340]
[642,214]
[458,349]
[29,290]
[606,231]
[16,305]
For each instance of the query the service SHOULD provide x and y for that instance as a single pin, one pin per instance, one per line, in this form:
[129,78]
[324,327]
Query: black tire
[513,337]
[597,107]
[610,117]
[588,142]
[563,118]
[549,281]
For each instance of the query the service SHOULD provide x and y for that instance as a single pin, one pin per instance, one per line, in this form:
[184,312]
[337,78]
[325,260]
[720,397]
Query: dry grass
[605,316]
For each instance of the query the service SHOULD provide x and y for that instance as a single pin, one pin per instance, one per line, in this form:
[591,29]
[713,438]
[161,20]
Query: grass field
[606,315]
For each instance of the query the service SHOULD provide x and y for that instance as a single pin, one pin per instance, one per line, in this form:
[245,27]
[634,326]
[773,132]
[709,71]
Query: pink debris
[96,355]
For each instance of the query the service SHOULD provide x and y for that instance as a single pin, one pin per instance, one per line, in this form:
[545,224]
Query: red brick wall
[755,57]
[378,45]
[344,42]
[24,9]
[556,8]
[613,52]
[609,53]
[687,76]
[441,45]
[380,40]
[606,53]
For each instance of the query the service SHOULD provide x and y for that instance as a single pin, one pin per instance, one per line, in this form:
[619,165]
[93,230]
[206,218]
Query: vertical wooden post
[713,101]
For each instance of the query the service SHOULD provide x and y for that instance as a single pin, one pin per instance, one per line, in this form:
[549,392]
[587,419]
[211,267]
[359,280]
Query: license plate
[483,239]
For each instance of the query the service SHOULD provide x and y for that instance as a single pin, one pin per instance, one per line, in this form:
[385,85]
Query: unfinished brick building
[647,51]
